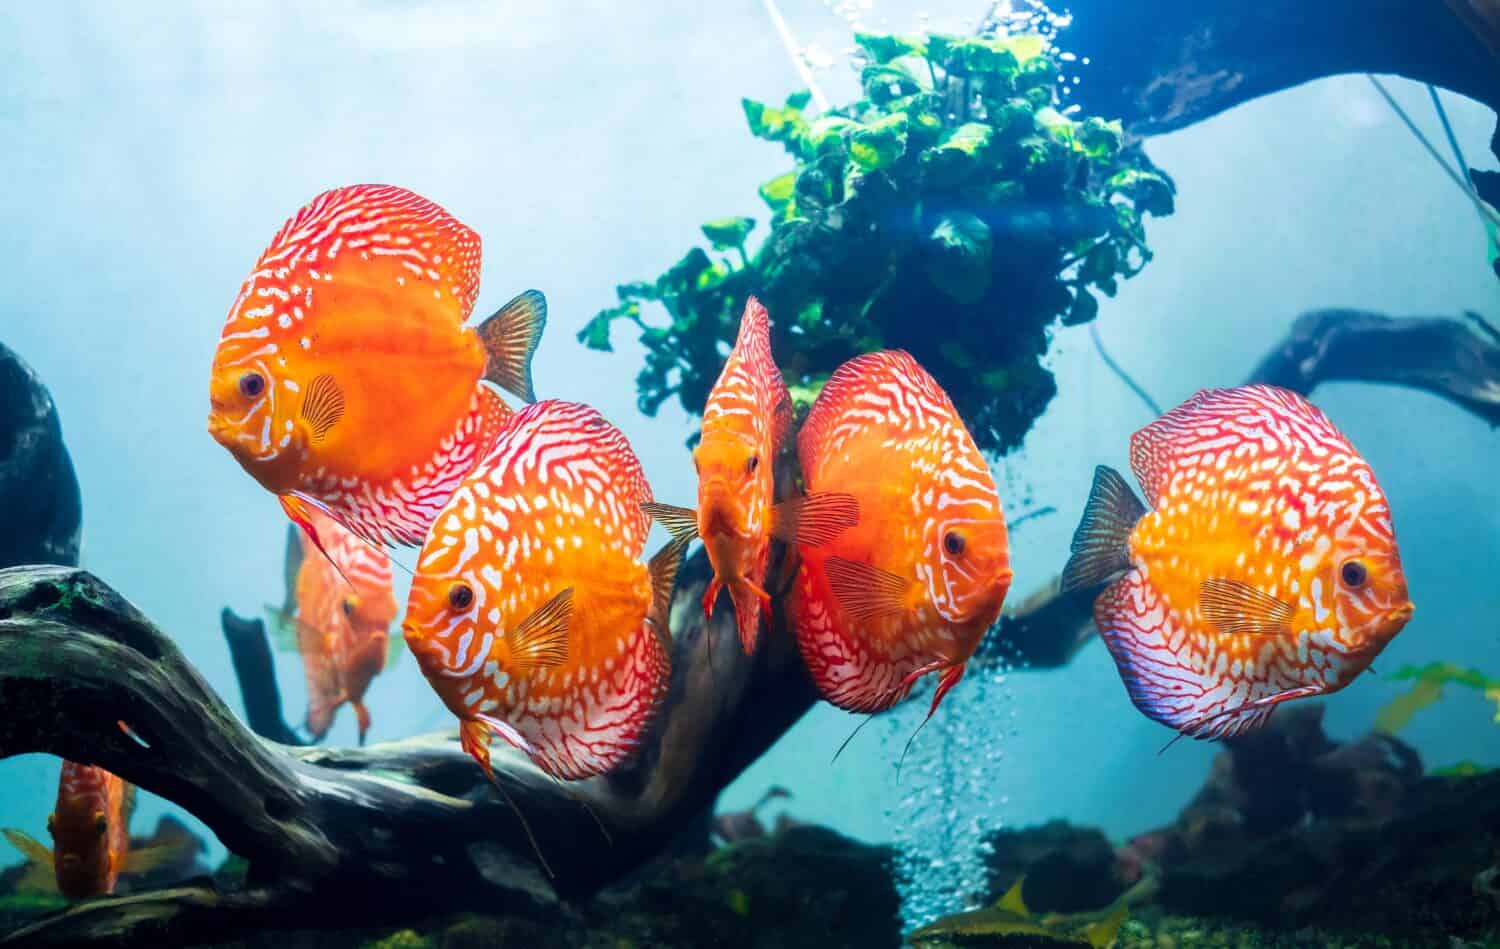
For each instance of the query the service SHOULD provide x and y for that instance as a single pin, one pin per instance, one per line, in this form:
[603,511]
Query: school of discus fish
[1261,567]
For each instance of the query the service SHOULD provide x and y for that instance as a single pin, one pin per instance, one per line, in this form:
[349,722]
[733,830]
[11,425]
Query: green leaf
[1100,139]
[878,145]
[1150,191]
[798,100]
[637,290]
[1085,307]
[882,48]
[595,333]
[958,354]
[806,393]
[883,84]
[1026,47]
[810,315]
[957,155]
[777,192]
[684,274]
[826,134]
[728,233]
[958,256]
[1099,265]
[784,125]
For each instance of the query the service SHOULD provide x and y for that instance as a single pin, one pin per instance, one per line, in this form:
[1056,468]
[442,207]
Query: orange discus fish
[745,422]
[914,586]
[338,616]
[345,379]
[530,612]
[90,831]
[1262,568]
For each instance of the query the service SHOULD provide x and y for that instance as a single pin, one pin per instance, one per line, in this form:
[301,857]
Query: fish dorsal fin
[1012,901]
[322,405]
[864,590]
[1236,608]
[1102,934]
[291,567]
[680,522]
[541,639]
[1101,545]
[814,519]
[510,339]
[663,567]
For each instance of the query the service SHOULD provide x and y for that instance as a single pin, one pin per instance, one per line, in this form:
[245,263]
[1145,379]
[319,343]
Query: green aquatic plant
[953,211]
[1427,688]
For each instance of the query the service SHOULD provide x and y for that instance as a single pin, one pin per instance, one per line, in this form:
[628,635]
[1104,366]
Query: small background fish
[337,616]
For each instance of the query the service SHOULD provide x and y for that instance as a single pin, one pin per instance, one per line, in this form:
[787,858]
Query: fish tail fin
[1101,545]
[39,875]
[362,717]
[1102,935]
[510,338]
[663,567]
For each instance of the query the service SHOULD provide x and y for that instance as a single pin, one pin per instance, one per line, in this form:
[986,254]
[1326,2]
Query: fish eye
[252,384]
[752,464]
[52,824]
[953,543]
[348,606]
[100,824]
[460,596]
[1354,574]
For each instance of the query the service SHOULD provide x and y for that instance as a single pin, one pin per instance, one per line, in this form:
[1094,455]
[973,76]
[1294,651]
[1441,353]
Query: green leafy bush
[952,211]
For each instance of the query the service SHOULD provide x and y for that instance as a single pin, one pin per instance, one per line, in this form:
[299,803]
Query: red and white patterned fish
[531,613]
[745,421]
[912,588]
[345,379]
[1262,568]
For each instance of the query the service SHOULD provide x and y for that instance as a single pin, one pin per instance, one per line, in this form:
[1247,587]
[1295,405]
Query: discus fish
[90,831]
[345,379]
[915,584]
[1262,568]
[338,616]
[745,421]
[530,612]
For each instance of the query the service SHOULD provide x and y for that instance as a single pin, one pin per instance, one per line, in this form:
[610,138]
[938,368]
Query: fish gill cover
[953,211]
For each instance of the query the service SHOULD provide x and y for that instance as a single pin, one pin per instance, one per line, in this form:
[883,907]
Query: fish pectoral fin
[1101,544]
[156,856]
[663,568]
[510,338]
[541,639]
[815,519]
[1236,608]
[322,405]
[864,590]
[1012,901]
[283,628]
[680,522]
[31,848]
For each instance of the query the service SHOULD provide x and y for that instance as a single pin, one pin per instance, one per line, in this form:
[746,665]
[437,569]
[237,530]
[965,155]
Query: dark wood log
[250,651]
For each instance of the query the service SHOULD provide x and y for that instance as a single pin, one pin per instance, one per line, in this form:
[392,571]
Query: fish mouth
[1401,614]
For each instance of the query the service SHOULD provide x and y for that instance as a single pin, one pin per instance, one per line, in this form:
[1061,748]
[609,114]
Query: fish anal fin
[748,603]
[815,519]
[864,590]
[474,738]
[1102,934]
[541,639]
[1012,901]
[1101,544]
[510,339]
[1239,719]
[299,508]
[322,405]
[680,522]
[362,718]
[1236,608]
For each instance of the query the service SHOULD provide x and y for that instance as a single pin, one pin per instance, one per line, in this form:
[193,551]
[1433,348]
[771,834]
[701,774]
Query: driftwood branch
[1457,360]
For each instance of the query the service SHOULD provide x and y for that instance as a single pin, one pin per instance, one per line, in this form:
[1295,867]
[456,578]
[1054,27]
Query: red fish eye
[252,384]
[460,596]
[752,464]
[953,543]
[1353,573]
[348,606]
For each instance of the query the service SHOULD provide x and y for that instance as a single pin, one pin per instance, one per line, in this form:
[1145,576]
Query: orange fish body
[530,613]
[344,608]
[345,376]
[1262,568]
[90,830]
[914,585]
[744,423]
